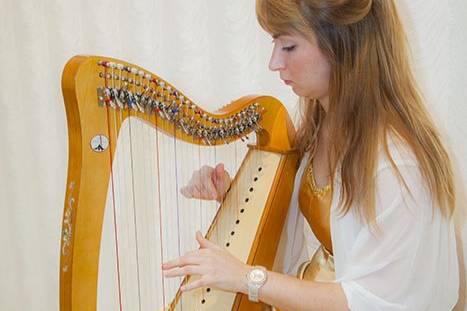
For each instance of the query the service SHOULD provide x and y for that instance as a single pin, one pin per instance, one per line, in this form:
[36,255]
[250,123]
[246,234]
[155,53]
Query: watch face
[257,275]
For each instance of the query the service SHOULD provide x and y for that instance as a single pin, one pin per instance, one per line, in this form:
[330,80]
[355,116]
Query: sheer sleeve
[292,248]
[411,262]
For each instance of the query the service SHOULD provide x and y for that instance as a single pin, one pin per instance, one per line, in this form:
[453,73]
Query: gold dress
[315,205]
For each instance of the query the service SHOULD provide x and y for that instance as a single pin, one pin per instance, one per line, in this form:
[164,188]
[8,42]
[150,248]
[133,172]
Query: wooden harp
[100,95]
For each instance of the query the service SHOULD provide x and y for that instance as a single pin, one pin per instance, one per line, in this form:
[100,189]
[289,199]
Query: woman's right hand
[208,183]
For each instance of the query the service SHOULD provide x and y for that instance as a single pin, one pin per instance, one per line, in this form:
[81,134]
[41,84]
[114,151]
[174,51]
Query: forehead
[293,35]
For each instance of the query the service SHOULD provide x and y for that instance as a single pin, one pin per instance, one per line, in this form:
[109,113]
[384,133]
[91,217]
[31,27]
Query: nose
[276,62]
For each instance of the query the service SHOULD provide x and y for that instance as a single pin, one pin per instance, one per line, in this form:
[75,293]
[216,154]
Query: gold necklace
[318,192]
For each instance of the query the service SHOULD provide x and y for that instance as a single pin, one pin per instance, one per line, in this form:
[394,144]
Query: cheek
[324,73]
[320,66]
[316,76]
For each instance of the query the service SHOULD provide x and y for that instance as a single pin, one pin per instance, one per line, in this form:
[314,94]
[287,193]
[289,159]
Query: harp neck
[138,93]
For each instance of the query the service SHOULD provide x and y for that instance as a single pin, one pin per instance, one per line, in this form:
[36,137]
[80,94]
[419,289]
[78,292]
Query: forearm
[219,269]
[288,293]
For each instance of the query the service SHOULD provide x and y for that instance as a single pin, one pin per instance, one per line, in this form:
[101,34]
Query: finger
[193,285]
[218,173]
[171,264]
[203,174]
[222,179]
[185,191]
[183,271]
[212,190]
[209,191]
[201,192]
[173,272]
[219,169]
[205,243]
[190,258]
[191,191]
[207,182]
[194,184]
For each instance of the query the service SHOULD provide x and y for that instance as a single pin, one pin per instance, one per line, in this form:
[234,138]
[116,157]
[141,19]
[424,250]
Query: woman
[375,182]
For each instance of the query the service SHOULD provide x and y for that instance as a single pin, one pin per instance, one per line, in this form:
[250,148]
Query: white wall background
[214,51]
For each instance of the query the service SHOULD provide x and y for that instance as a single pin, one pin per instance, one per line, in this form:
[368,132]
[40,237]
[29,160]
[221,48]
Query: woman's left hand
[216,267]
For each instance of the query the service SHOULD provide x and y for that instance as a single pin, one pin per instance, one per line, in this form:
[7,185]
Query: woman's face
[302,65]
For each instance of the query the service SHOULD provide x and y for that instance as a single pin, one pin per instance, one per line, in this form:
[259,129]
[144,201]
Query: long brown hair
[372,91]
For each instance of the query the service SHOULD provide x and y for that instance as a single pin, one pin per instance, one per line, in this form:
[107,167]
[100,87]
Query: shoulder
[399,179]
[398,153]
[397,167]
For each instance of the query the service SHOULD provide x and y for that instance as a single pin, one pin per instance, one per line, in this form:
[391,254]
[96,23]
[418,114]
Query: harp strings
[122,119]
[133,204]
[177,199]
[159,209]
[113,130]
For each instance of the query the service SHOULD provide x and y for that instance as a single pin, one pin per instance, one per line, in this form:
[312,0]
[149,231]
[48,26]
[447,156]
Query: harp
[102,96]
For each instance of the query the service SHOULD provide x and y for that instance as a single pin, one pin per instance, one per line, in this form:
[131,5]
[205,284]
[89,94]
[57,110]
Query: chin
[301,93]
[298,92]
[306,93]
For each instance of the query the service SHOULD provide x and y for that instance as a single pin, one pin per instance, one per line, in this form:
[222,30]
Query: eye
[289,48]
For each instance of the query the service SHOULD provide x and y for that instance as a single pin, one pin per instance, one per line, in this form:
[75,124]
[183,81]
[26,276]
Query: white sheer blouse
[410,265]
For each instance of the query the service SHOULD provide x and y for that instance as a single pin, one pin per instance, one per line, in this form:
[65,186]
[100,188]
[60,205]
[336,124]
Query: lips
[288,82]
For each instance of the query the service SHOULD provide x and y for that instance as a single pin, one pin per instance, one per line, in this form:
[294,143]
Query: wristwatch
[256,278]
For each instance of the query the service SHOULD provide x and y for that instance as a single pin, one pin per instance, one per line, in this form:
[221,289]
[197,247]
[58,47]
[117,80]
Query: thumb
[219,172]
[205,243]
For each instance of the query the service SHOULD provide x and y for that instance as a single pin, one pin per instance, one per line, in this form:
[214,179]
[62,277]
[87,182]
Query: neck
[324,132]
[324,102]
